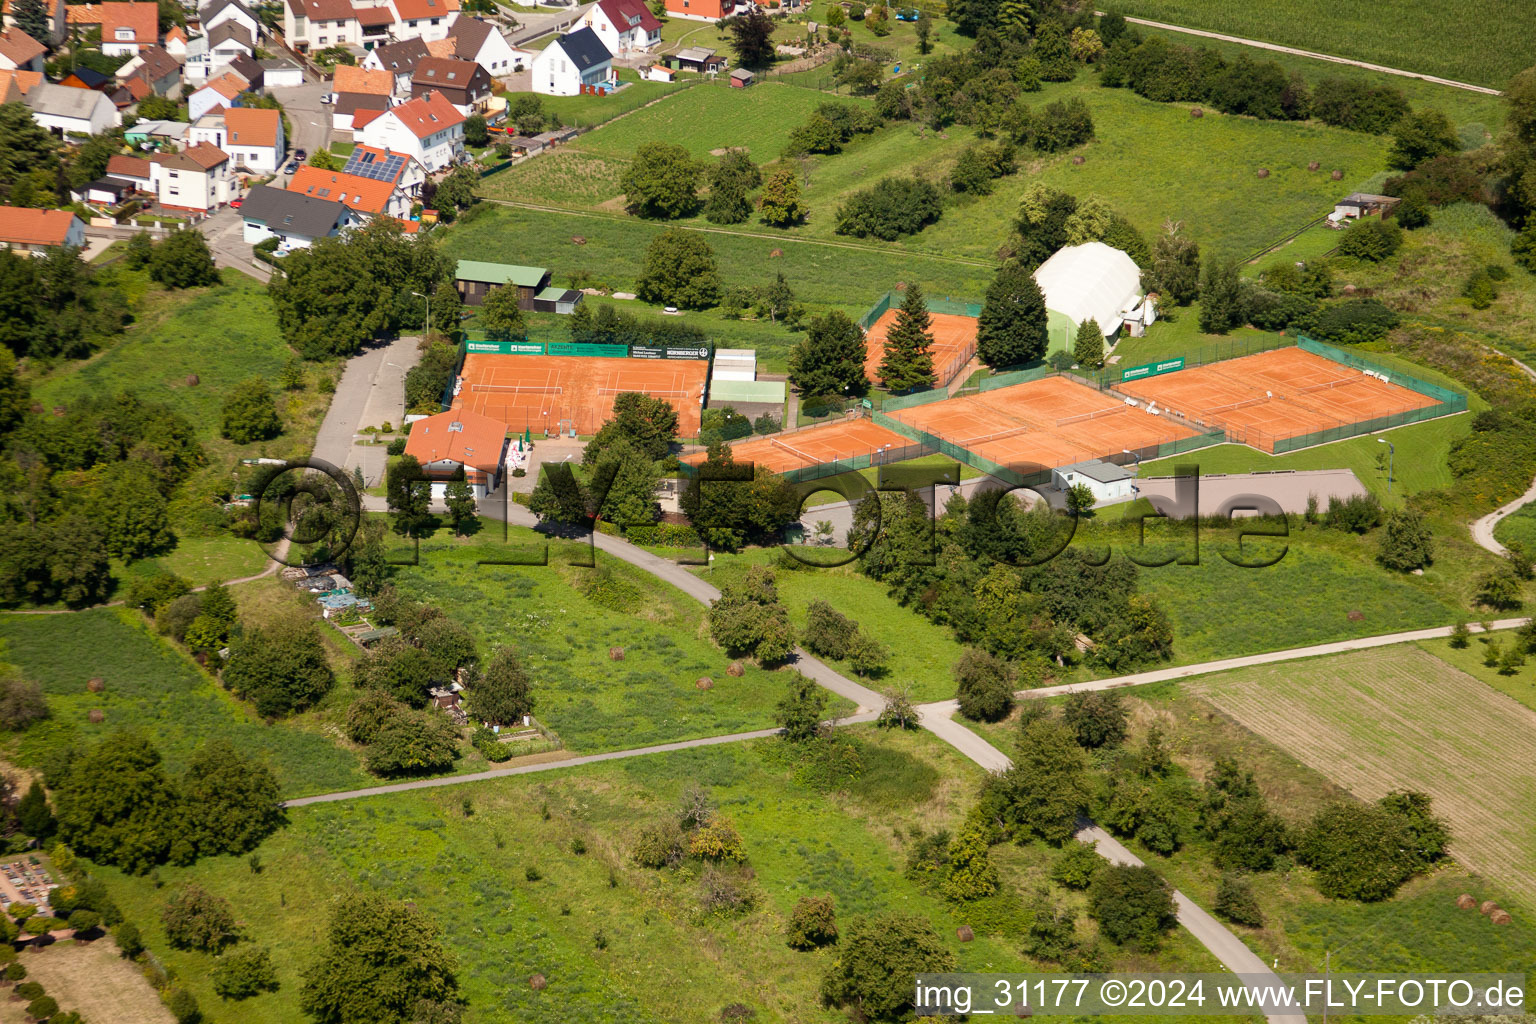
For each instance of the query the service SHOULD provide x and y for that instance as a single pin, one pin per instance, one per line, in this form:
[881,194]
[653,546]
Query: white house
[427,129]
[19,51]
[624,26]
[223,91]
[66,111]
[217,12]
[252,136]
[317,24]
[428,20]
[1107,481]
[125,27]
[199,178]
[572,62]
[1092,281]
[459,441]
[475,40]
[658,73]
[135,170]
[296,220]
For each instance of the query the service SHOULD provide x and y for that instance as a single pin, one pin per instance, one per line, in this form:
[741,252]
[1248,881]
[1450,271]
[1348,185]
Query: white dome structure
[1092,281]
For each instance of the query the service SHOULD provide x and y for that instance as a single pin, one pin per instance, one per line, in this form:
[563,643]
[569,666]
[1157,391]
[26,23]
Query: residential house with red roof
[223,91]
[58,25]
[14,85]
[19,51]
[404,173]
[367,197]
[705,10]
[125,27]
[424,19]
[137,171]
[156,66]
[252,136]
[39,231]
[400,60]
[624,26]
[428,129]
[175,42]
[459,441]
[199,178]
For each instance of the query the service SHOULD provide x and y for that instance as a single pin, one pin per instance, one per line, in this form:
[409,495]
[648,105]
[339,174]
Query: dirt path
[1275,47]
[1482,529]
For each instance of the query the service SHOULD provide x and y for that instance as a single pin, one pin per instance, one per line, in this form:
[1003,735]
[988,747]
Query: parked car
[237,203]
[300,155]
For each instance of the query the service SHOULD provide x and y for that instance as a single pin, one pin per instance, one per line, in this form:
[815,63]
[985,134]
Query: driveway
[532,26]
[371,392]
[225,231]
[311,122]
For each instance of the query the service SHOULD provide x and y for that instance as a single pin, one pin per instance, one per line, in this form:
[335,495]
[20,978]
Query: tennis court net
[652,392]
[518,389]
[1245,403]
[1097,414]
[796,452]
[1325,385]
[997,436]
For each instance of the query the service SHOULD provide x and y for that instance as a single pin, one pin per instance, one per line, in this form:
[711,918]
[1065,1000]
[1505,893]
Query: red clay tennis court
[1268,397]
[954,342]
[802,448]
[1043,424]
[545,394]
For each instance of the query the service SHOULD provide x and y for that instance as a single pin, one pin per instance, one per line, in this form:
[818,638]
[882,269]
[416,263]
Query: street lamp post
[428,300]
[1391,460]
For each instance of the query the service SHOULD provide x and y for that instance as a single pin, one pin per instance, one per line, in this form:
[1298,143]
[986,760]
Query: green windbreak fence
[1230,348]
[895,402]
[1012,377]
[1407,380]
[822,470]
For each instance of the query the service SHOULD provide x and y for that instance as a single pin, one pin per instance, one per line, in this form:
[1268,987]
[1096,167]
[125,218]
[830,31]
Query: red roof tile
[352,191]
[428,114]
[20,226]
[458,436]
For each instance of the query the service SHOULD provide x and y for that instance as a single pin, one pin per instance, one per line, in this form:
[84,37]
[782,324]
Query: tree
[244,974]
[985,685]
[1372,239]
[1052,933]
[1097,718]
[21,702]
[116,806]
[280,669]
[829,360]
[1406,542]
[800,713]
[131,509]
[813,923]
[475,133]
[1133,905]
[1359,853]
[730,181]
[1088,348]
[780,204]
[644,424]
[500,317]
[197,919]
[679,270]
[1053,50]
[413,743]
[1081,499]
[382,961]
[502,694]
[232,801]
[1077,865]
[409,496]
[924,33]
[1498,588]
[908,361]
[877,957]
[661,182]
[1414,211]
[972,875]
[752,38]
[460,499]
[1220,297]
[183,261]
[90,160]
[33,814]
[32,18]
[250,414]
[890,208]
[1045,790]
[1420,136]
[1012,327]
[828,632]
[129,942]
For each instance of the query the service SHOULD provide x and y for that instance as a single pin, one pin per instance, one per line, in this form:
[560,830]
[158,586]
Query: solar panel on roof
[374,168]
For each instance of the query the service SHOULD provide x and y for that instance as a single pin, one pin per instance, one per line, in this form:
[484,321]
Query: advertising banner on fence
[1152,369]
[668,352]
[587,349]
[506,348]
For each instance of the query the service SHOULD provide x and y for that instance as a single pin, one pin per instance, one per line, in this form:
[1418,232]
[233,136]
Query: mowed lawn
[1518,528]
[155,689]
[1400,718]
[563,620]
[709,117]
[462,855]
[1479,41]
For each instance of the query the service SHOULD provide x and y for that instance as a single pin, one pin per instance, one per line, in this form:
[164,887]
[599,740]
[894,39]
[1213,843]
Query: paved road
[371,392]
[225,231]
[1259,44]
[1482,529]
[311,122]
[532,26]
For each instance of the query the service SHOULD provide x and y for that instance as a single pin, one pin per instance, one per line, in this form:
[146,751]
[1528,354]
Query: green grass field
[1400,718]
[1399,33]
[564,633]
[922,652]
[153,688]
[580,111]
[710,117]
[1520,527]
[1521,686]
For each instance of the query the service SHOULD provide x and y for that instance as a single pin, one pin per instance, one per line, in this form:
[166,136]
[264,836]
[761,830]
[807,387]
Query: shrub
[1372,239]
[1498,588]
[985,685]
[1235,901]
[1406,542]
[129,943]
[724,893]
[1366,853]
[244,974]
[21,702]
[196,919]
[876,960]
[717,839]
[813,923]
[658,845]
[890,209]
[1353,322]
[971,874]
[828,632]
[1077,865]
[1097,718]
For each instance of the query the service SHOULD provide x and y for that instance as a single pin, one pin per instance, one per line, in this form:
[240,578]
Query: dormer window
[125,34]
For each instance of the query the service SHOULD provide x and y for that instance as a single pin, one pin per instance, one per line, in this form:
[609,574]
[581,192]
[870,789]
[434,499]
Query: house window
[125,34]
[436,20]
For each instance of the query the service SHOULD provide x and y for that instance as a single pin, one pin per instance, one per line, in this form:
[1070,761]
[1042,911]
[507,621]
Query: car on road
[237,203]
[300,155]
